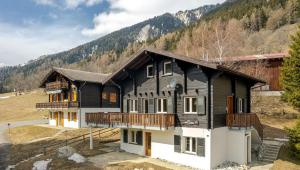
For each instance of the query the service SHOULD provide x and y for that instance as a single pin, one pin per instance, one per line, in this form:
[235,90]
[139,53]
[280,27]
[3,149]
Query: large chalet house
[72,93]
[174,108]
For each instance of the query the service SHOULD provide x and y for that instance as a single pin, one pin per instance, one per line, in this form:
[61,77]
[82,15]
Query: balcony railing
[57,105]
[245,120]
[57,85]
[141,120]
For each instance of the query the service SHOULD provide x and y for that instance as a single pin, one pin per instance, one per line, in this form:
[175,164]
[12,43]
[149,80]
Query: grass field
[18,108]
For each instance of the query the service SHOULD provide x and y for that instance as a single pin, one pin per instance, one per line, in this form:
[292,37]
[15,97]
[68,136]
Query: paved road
[4,141]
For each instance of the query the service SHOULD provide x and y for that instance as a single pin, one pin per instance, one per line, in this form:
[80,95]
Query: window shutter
[201,105]
[201,146]
[125,136]
[74,116]
[139,137]
[125,105]
[69,116]
[151,106]
[177,143]
[139,105]
[170,105]
[155,105]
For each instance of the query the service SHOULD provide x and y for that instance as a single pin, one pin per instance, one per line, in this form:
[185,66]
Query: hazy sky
[31,28]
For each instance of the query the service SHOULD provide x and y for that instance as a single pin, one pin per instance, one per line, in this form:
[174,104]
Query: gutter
[80,102]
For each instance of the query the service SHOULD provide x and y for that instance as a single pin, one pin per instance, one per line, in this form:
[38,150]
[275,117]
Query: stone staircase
[270,151]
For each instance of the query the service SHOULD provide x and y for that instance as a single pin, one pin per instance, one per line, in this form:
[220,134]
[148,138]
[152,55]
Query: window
[241,105]
[74,116]
[162,105]
[133,105]
[190,105]
[190,145]
[150,71]
[132,136]
[168,68]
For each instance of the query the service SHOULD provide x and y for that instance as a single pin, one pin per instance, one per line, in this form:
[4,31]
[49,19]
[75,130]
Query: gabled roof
[254,57]
[77,75]
[137,60]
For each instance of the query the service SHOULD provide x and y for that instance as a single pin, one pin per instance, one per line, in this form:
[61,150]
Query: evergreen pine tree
[290,72]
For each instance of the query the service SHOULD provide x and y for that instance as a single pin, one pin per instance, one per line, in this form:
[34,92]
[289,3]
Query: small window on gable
[150,71]
[167,68]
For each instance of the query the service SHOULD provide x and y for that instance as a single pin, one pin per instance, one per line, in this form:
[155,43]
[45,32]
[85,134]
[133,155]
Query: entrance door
[61,122]
[148,144]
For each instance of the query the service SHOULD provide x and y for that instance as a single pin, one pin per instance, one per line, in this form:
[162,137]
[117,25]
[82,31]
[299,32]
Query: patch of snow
[41,165]
[4,97]
[77,158]
[231,166]
[65,151]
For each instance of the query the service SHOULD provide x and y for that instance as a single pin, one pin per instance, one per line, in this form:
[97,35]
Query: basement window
[150,71]
[190,145]
[132,136]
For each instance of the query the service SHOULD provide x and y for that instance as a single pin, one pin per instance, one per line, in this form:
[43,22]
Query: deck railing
[57,105]
[57,85]
[245,120]
[131,119]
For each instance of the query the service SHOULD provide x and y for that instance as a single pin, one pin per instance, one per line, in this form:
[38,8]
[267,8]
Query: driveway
[4,141]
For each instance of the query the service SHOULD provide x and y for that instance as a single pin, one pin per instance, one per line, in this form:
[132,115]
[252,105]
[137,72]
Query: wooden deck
[57,105]
[156,120]
[57,85]
[245,120]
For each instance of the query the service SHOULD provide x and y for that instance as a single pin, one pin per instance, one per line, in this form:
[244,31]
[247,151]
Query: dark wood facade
[210,87]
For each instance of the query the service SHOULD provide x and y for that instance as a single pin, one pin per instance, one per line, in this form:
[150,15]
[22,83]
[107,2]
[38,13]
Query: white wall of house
[71,123]
[52,122]
[133,148]
[230,145]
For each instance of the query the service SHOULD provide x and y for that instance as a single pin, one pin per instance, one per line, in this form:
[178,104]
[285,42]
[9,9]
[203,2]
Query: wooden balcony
[57,85]
[154,121]
[57,105]
[245,120]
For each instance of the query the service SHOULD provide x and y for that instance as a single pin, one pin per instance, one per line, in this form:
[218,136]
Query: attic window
[168,68]
[150,71]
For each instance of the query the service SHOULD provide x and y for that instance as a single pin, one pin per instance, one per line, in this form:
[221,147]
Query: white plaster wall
[82,111]
[132,148]
[70,124]
[218,146]
[52,122]
[163,147]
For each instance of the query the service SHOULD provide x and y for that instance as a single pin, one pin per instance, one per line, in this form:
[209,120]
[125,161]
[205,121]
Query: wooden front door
[61,116]
[230,105]
[148,144]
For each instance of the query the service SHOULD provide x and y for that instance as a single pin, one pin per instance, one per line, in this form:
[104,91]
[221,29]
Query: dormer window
[168,68]
[150,71]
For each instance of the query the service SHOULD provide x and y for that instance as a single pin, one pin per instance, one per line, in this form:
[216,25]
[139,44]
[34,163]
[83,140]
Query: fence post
[66,142]
[91,139]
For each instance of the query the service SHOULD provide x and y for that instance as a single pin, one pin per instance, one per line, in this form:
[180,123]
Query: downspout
[120,95]
[80,102]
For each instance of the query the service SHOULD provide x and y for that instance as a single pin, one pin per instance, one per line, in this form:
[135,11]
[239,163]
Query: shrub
[294,140]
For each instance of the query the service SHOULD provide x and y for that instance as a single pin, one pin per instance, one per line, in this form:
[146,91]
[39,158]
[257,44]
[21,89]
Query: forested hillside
[237,27]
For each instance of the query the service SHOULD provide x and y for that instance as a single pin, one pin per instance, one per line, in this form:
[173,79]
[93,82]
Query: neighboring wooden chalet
[264,66]
[72,93]
[182,110]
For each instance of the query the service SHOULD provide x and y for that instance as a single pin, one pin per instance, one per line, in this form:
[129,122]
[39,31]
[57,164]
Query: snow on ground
[231,166]
[77,158]
[4,97]
[41,165]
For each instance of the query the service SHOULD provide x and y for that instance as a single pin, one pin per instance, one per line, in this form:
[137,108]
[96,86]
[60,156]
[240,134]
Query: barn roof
[77,75]
[141,57]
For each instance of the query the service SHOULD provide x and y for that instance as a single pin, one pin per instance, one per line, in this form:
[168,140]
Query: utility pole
[91,139]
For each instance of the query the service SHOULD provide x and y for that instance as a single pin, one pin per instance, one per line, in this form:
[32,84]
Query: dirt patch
[285,161]
[131,166]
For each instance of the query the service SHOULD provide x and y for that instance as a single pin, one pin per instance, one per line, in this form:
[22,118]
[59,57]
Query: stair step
[271,151]
[268,160]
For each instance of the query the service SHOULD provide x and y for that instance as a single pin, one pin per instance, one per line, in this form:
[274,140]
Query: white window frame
[134,107]
[190,150]
[191,105]
[241,105]
[161,100]
[148,66]
[165,63]
[130,136]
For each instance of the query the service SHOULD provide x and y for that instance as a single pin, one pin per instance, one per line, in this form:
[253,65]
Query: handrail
[56,85]
[165,120]
[58,105]
[245,120]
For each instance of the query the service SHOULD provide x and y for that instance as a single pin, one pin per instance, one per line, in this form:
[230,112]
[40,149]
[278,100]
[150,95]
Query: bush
[294,140]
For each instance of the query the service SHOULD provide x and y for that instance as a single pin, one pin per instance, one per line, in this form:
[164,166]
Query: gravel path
[4,141]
